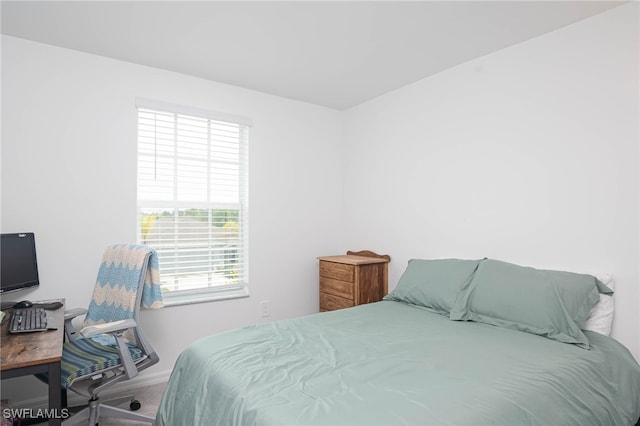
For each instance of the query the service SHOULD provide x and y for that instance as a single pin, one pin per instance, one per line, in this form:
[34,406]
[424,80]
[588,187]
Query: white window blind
[193,199]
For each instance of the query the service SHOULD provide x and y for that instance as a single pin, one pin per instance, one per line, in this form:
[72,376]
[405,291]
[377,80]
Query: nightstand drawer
[337,271]
[329,302]
[337,287]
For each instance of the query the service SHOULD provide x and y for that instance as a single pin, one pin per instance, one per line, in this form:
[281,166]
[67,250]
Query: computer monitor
[18,263]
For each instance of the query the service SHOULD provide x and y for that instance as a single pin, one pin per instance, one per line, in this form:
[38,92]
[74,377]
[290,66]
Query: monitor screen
[18,264]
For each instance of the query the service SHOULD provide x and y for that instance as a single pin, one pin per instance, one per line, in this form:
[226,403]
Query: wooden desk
[23,354]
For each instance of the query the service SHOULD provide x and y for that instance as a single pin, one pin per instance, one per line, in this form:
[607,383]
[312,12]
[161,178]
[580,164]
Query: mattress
[391,363]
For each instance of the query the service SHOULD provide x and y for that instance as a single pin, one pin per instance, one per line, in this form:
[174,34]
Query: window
[192,200]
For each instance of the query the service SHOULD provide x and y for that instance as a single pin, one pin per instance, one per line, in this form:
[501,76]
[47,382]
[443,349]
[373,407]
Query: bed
[405,361]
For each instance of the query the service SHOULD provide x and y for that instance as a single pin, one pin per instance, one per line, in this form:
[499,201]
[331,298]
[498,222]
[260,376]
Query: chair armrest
[72,313]
[108,327]
[69,330]
[117,329]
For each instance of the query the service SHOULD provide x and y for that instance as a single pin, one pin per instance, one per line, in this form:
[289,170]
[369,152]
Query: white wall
[69,175]
[528,155]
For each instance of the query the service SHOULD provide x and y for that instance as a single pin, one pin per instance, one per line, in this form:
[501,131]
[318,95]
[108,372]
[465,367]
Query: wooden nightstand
[352,279]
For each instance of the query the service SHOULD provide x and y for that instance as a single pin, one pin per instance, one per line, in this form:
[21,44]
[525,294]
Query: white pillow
[601,315]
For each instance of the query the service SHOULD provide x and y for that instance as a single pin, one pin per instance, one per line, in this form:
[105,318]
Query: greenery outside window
[193,200]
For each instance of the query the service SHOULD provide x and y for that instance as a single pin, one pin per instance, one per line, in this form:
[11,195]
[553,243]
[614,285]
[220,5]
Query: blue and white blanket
[118,279]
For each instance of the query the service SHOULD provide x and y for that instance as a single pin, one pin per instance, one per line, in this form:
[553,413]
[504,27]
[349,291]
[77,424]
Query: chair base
[95,410]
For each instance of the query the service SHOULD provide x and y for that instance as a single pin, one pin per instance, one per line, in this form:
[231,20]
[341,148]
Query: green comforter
[393,364]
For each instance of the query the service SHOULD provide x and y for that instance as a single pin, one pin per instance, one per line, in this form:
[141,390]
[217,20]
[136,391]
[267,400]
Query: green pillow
[546,303]
[433,284]
[570,285]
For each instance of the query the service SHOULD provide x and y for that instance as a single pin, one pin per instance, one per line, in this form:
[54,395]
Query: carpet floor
[149,397]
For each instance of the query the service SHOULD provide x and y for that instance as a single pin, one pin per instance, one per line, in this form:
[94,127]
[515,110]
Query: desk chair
[111,346]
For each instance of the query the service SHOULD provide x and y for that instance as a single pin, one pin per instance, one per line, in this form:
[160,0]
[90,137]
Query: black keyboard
[28,319]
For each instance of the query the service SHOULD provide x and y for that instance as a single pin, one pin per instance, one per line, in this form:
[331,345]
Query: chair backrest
[120,283]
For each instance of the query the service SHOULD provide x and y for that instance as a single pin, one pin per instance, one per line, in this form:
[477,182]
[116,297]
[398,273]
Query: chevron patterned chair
[111,347]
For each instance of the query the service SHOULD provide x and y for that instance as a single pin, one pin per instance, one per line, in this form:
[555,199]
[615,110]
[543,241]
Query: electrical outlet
[265,308]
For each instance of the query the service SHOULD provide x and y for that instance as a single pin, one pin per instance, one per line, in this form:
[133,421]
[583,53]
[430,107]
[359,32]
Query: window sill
[205,295]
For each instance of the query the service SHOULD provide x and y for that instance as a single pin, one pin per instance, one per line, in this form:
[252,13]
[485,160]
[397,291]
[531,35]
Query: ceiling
[331,53]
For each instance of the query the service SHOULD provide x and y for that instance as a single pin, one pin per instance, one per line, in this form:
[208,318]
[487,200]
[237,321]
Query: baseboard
[143,380]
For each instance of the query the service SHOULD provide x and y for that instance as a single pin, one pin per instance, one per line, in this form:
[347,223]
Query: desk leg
[55,393]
